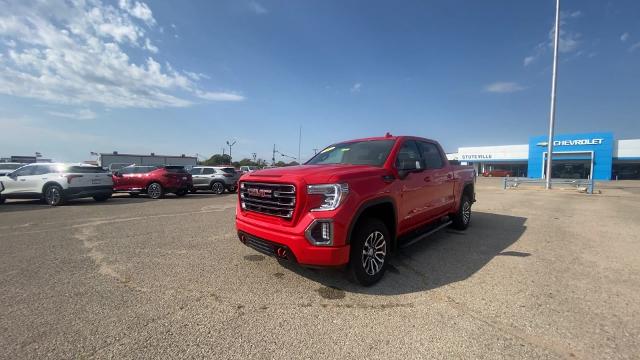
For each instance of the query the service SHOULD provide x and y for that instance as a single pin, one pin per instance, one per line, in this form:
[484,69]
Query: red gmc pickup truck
[354,203]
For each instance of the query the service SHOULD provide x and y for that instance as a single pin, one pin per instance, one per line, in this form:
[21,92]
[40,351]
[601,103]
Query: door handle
[427,178]
[449,176]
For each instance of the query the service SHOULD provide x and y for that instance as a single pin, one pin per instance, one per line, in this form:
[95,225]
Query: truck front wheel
[370,246]
[462,217]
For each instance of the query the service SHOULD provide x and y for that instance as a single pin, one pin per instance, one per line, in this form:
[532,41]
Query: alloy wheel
[154,191]
[53,195]
[218,188]
[374,252]
[466,212]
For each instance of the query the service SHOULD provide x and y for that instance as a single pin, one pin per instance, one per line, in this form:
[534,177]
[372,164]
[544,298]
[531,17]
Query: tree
[281,163]
[216,160]
[293,163]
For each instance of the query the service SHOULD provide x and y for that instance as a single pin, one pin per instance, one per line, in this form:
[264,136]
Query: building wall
[494,153]
[600,143]
[627,149]
[126,159]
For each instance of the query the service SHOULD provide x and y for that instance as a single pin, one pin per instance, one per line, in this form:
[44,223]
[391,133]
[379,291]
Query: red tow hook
[282,253]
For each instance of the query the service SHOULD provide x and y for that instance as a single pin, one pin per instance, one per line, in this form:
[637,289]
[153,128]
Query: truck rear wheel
[462,217]
[370,245]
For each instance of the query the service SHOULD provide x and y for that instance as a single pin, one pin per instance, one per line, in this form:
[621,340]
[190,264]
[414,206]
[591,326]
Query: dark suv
[155,181]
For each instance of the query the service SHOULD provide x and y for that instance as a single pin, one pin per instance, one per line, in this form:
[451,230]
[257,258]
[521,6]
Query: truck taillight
[227,175]
[71,177]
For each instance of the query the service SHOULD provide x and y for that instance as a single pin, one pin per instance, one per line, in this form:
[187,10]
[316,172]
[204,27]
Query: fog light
[320,233]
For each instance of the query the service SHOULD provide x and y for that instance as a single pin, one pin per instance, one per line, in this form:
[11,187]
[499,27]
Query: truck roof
[387,137]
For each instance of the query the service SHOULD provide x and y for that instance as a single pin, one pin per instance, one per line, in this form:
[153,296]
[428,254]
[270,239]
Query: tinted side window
[195,171]
[208,171]
[408,157]
[431,155]
[41,169]
[24,171]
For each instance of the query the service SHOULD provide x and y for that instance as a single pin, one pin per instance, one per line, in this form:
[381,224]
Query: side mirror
[405,167]
[12,175]
[117,173]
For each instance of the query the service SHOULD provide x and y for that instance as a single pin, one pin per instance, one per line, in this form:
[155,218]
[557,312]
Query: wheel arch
[384,209]
[47,184]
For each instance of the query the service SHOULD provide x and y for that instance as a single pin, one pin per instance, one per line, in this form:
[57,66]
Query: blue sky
[184,77]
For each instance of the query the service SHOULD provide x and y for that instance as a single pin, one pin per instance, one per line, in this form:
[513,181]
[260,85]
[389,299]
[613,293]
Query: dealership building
[597,156]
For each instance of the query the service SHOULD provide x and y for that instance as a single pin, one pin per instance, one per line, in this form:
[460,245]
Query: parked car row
[55,183]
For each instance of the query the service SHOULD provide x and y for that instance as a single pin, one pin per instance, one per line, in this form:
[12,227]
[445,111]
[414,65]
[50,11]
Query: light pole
[554,81]
[230,146]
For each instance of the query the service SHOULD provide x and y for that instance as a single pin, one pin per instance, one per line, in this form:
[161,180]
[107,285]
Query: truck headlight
[332,195]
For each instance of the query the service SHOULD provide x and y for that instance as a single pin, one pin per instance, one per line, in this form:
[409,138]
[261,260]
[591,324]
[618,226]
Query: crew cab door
[413,198]
[438,181]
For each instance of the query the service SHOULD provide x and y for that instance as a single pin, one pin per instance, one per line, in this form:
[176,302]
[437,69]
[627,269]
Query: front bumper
[301,251]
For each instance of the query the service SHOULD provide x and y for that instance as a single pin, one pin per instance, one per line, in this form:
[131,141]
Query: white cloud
[569,41]
[257,8]
[138,10]
[634,47]
[624,37]
[503,87]
[82,114]
[575,14]
[356,88]
[529,60]
[76,53]
[219,96]
[149,46]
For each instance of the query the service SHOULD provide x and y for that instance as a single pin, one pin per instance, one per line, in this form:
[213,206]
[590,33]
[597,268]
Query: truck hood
[315,174]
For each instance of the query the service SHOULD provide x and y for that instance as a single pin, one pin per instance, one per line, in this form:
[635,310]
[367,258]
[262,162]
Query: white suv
[56,183]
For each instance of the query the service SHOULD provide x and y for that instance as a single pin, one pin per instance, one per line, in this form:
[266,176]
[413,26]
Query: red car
[155,181]
[354,203]
[497,173]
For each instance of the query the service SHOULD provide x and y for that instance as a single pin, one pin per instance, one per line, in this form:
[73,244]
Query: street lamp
[554,81]
[230,146]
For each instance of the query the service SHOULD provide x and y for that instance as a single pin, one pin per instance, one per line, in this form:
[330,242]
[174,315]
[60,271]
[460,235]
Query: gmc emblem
[262,193]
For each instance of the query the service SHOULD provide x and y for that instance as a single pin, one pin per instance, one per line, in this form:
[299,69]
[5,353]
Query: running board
[426,235]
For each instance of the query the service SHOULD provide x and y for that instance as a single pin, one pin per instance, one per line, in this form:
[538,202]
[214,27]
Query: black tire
[182,192]
[232,189]
[102,198]
[193,190]
[462,217]
[155,190]
[370,250]
[53,195]
[217,187]
[2,200]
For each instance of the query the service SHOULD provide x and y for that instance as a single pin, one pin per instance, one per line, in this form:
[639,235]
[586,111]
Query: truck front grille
[271,199]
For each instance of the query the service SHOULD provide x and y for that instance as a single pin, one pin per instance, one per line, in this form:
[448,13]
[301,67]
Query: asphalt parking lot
[537,275]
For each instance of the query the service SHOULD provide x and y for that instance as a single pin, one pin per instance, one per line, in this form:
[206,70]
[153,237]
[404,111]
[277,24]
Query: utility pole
[230,146]
[299,144]
[315,151]
[554,82]
[254,155]
[273,157]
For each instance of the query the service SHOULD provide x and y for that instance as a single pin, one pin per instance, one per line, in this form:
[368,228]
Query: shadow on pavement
[446,257]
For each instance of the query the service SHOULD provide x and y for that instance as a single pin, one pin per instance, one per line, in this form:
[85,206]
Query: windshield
[371,152]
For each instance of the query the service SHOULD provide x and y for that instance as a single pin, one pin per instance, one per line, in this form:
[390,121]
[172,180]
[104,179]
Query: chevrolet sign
[575,142]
